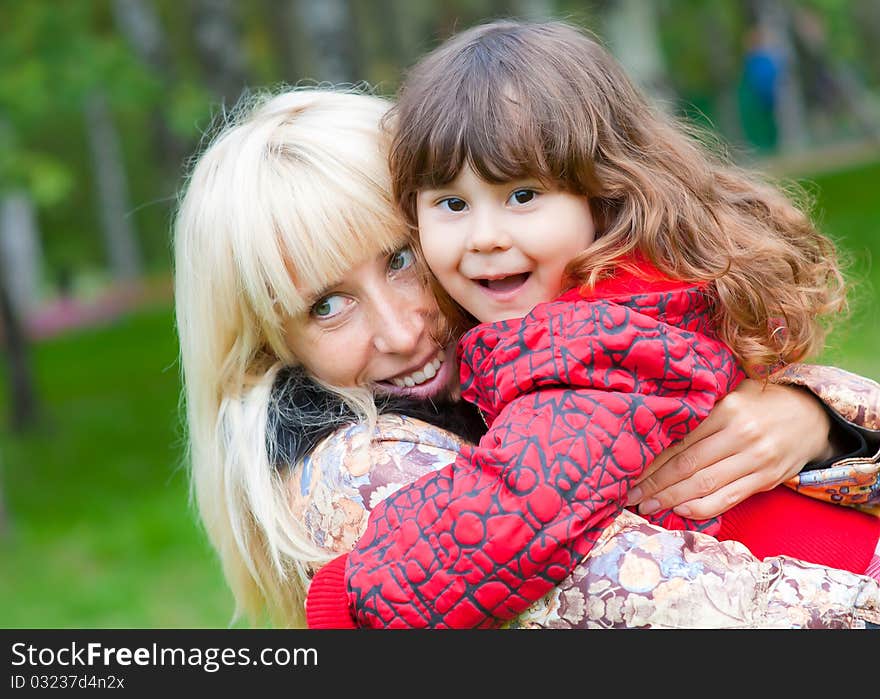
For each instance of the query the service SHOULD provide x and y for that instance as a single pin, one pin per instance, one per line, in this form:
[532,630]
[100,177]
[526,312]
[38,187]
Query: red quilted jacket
[580,396]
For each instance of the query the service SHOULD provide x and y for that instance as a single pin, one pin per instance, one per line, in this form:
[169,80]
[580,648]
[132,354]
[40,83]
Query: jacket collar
[633,276]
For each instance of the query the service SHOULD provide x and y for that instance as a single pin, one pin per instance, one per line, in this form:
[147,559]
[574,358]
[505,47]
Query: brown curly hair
[517,99]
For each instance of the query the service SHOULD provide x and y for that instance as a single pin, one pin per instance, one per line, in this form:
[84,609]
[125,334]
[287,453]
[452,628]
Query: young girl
[535,171]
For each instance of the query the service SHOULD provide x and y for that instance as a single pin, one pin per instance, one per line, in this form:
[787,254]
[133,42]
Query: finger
[737,469]
[654,466]
[704,430]
[681,466]
[721,500]
[703,482]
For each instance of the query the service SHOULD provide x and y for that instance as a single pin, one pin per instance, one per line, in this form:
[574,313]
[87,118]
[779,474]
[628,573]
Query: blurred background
[103,102]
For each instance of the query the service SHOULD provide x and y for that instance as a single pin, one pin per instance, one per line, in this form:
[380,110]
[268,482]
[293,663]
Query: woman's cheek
[336,358]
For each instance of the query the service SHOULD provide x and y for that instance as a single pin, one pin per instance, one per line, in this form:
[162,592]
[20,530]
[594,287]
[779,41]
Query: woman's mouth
[430,380]
[417,378]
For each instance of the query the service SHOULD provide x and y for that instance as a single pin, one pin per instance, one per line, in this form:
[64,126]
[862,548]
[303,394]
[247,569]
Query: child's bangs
[488,126]
[507,105]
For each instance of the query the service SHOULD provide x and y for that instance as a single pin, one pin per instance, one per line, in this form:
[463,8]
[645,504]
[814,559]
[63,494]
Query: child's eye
[522,196]
[401,260]
[329,306]
[453,204]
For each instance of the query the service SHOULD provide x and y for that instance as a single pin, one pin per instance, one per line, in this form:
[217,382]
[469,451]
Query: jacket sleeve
[853,402]
[331,491]
[477,542]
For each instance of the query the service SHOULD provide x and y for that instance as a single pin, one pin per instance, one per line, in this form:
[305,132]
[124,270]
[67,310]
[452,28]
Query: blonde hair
[545,100]
[291,192]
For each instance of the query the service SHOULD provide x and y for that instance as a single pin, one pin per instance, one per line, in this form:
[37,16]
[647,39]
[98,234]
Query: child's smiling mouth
[504,285]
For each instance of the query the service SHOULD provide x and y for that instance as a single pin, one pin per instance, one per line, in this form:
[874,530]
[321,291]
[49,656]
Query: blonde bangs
[306,201]
[345,223]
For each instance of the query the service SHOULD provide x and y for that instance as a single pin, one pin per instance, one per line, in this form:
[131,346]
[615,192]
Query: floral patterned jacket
[638,575]
[854,402]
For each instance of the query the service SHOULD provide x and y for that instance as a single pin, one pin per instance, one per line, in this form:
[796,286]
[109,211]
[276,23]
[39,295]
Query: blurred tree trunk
[832,90]
[139,23]
[396,36]
[5,523]
[112,189]
[630,27]
[535,10]
[218,43]
[21,253]
[281,21]
[23,398]
[866,16]
[723,72]
[332,40]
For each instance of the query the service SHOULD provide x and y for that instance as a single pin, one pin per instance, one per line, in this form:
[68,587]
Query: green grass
[103,534]
[848,209]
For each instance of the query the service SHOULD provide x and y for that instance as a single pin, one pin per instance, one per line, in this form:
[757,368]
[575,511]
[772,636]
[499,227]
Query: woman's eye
[329,306]
[402,259]
[453,204]
[522,196]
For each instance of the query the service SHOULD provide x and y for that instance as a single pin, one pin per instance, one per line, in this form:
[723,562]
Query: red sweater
[581,395]
[782,521]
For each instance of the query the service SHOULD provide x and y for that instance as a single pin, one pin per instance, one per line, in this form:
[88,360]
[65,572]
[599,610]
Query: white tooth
[419,377]
[399,383]
[436,364]
[440,357]
[430,370]
[409,382]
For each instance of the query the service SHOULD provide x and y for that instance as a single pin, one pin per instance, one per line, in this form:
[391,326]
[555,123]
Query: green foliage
[189,110]
[698,66]
[44,176]
[57,56]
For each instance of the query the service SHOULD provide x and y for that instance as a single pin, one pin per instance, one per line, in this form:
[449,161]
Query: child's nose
[488,233]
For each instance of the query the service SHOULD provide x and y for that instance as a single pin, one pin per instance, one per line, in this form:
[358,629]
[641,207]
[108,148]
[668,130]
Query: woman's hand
[754,439]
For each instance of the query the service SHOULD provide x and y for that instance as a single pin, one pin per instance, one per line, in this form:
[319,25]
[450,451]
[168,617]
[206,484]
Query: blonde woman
[315,383]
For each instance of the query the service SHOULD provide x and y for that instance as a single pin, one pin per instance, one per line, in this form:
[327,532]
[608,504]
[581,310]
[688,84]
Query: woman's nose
[398,324]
